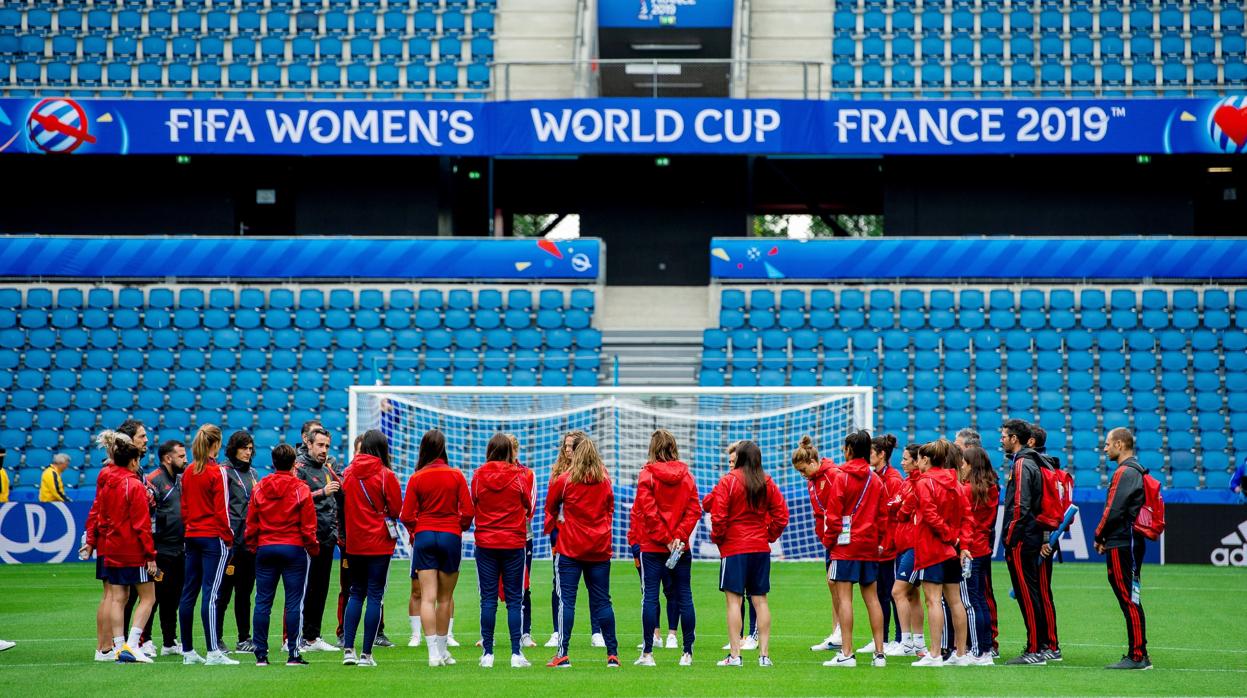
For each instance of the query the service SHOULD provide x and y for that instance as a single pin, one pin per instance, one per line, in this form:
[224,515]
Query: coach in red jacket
[281,534]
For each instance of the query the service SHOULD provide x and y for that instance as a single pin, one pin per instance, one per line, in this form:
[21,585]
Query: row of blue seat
[273,4]
[983,340]
[978,299]
[1025,17]
[977,319]
[161,50]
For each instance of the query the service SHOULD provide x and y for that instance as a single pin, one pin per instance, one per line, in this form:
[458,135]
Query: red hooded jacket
[502,495]
[820,486]
[858,493]
[940,511]
[437,500]
[367,478]
[667,507]
[901,508]
[95,525]
[587,511]
[282,513]
[979,521]
[205,503]
[738,528]
[893,483]
[127,522]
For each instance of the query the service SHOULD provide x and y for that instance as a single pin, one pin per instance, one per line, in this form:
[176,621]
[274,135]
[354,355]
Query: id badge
[153,525]
[1135,589]
[846,527]
[391,527]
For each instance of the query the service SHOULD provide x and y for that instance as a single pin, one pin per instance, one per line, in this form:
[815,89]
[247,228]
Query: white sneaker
[985,659]
[519,661]
[834,637]
[672,643]
[765,661]
[960,660]
[148,648]
[749,643]
[597,640]
[686,659]
[553,641]
[366,660]
[929,661]
[175,650]
[451,641]
[109,656]
[7,645]
[319,645]
[142,657]
[219,658]
[487,661]
[893,649]
[841,661]
[880,660]
[192,657]
[414,641]
[729,660]
[348,658]
[645,660]
[868,648]
[829,643]
[526,640]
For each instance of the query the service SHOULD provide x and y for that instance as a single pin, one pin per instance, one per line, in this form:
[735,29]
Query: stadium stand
[415,49]
[1171,360]
[77,359]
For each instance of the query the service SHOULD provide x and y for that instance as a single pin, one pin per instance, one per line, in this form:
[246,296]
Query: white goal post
[620,420]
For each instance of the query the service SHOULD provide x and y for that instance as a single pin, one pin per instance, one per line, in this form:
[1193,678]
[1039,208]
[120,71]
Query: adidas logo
[1233,552]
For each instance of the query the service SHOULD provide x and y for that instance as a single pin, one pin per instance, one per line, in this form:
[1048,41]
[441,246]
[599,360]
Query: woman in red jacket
[371,499]
[205,513]
[561,465]
[581,505]
[130,554]
[665,513]
[502,498]
[747,514]
[281,534]
[437,509]
[819,474]
[881,448]
[901,509]
[982,489]
[937,530]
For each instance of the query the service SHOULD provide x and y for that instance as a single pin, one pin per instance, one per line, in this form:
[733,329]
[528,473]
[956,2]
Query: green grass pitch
[1194,619]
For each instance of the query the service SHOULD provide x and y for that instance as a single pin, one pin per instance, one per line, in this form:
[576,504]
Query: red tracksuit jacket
[205,503]
[902,509]
[588,509]
[893,484]
[94,525]
[365,528]
[855,483]
[667,507]
[819,487]
[738,528]
[127,522]
[502,498]
[938,524]
[281,513]
[437,499]
[979,522]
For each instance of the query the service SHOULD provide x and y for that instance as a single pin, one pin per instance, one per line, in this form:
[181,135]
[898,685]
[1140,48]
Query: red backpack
[1058,495]
[1151,519]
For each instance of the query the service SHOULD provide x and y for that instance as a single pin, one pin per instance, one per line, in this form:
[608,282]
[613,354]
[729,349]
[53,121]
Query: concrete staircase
[652,357]
[798,30]
[536,30]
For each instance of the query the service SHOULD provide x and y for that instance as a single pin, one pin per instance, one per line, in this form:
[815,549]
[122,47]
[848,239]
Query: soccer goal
[620,421]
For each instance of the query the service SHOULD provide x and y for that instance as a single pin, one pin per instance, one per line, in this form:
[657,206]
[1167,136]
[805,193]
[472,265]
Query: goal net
[620,421]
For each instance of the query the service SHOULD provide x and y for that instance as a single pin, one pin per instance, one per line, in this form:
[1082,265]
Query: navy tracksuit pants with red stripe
[1124,567]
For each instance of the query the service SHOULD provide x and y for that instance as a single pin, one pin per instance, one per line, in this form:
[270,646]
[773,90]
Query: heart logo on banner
[1233,123]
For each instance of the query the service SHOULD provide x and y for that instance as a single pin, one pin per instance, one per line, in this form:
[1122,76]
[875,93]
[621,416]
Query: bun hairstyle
[110,440]
[884,444]
[805,451]
[940,453]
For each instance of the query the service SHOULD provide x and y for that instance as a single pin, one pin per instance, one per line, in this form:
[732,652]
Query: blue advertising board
[305,257]
[623,126]
[703,14]
[763,259]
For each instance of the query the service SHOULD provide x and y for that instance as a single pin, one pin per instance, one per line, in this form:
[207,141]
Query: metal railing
[658,77]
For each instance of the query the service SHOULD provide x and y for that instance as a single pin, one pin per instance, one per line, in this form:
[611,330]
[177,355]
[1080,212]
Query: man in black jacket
[312,465]
[1023,537]
[1122,546]
[1049,645]
[166,487]
[240,572]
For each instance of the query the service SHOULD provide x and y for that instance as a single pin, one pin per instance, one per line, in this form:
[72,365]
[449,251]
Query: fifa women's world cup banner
[57,125]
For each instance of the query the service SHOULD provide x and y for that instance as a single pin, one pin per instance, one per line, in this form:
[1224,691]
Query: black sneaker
[1027,659]
[296,660]
[381,641]
[1051,655]
[1130,664]
[261,660]
[245,646]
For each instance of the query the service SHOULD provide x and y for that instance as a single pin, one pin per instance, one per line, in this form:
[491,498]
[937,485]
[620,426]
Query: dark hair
[662,447]
[283,457]
[749,461]
[375,444]
[126,454]
[884,444]
[307,427]
[499,448]
[955,456]
[912,449]
[319,431]
[433,447]
[858,443]
[1017,428]
[1123,435]
[982,476]
[131,427]
[166,447]
[940,453]
[1040,435]
[238,441]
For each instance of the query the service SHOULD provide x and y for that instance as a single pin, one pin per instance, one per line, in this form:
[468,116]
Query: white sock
[118,641]
[450,629]
[415,626]
[435,650]
[136,634]
[918,641]
[441,645]
[907,638]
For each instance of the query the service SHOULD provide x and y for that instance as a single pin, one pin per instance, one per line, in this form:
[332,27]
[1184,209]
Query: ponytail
[207,440]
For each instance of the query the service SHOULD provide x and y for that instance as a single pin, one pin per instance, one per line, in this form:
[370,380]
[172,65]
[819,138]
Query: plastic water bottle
[965,568]
[674,558]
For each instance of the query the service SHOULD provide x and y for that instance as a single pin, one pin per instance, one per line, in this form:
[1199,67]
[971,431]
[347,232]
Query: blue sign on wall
[59,126]
[309,257]
[665,13]
[985,258]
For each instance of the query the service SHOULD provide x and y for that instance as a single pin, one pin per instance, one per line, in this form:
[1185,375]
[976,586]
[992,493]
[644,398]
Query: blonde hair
[564,462]
[515,448]
[208,436]
[805,451]
[586,466]
[731,448]
[108,440]
[662,447]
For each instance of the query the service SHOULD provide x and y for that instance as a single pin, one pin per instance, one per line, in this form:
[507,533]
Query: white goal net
[620,421]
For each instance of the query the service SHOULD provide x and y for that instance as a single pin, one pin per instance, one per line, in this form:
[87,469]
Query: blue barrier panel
[987,258]
[33,532]
[624,126]
[306,257]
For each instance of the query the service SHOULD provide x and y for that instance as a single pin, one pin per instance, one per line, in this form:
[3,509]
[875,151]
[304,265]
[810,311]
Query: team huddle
[207,531]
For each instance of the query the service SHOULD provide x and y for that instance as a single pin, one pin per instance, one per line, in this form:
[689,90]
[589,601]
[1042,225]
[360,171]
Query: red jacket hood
[669,472]
[942,477]
[497,475]
[827,463]
[365,466]
[825,469]
[857,469]
[283,482]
